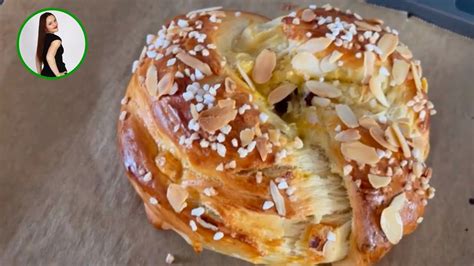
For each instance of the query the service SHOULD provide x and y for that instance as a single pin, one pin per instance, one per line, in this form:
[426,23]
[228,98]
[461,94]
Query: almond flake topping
[278,199]
[264,65]
[416,76]
[369,63]
[399,71]
[326,65]
[165,84]
[401,140]
[344,112]
[335,55]
[262,147]
[404,52]
[280,93]
[391,220]
[378,181]
[246,136]
[230,85]
[177,196]
[245,77]
[320,101]
[348,135]
[391,138]
[306,63]
[315,45]
[218,116]
[308,15]
[375,86]
[323,89]
[378,135]
[359,152]
[387,43]
[194,63]
[392,224]
[151,80]
[368,122]
[364,26]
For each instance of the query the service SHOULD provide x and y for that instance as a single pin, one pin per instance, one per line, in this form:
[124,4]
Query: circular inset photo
[52,43]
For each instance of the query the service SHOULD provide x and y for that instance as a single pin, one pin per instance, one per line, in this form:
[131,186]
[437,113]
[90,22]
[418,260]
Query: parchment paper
[64,198]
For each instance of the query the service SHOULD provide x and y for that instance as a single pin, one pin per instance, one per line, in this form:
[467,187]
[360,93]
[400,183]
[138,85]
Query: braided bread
[301,139]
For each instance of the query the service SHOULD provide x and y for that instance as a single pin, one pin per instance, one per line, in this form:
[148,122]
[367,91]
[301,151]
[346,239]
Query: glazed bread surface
[301,139]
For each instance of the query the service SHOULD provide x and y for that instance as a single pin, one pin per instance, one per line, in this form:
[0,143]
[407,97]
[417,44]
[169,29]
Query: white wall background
[70,32]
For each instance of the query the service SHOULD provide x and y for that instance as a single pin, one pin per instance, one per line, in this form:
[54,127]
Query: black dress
[46,71]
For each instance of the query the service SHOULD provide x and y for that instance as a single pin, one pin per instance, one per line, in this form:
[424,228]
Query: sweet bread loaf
[301,139]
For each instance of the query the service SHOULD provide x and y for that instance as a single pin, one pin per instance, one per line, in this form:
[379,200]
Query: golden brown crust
[215,162]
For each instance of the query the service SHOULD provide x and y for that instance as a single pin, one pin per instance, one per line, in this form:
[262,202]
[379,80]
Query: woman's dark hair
[41,35]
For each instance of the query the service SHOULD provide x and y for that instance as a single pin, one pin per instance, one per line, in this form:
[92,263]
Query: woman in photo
[49,51]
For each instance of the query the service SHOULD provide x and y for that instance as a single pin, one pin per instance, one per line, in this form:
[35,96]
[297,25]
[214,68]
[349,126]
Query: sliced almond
[348,135]
[364,26]
[417,169]
[359,152]
[369,63]
[405,128]
[315,45]
[398,201]
[274,135]
[308,15]
[142,54]
[401,140]
[378,135]
[262,147]
[375,86]
[404,52]
[246,136]
[367,122]
[228,102]
[151,80]
[280,93]
[320,101]
[177,197]
[217,13]
[391,138]
[378,181]
[216,117]
[387,43]
[278,199]
[194,112]
[245,77]
[230,85]
[375,20]
[194,63]
[419,143]
[323,89]
[165,84]
[418,66]
[335,55]
[344,112]
[392,224]
[326,65]
[264,65]
[416,76]
[399,71]
[306,63]
[173,89]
